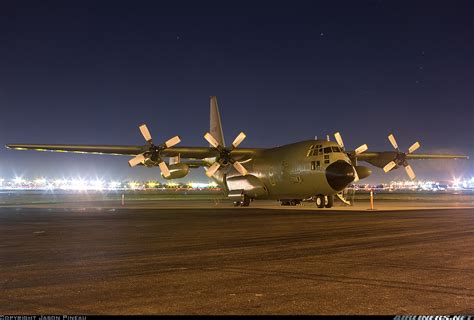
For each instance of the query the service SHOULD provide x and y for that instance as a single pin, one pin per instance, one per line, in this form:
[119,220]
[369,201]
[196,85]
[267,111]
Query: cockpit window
[316,150]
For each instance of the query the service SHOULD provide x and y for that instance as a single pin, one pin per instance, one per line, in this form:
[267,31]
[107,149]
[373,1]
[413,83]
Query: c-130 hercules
[307,170]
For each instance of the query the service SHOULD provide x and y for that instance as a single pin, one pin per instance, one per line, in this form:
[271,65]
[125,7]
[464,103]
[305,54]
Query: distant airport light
[133,185]
[197,185]
[114,185]
[152,184]
[40,181]
[97,184]
[78,184]
[172,184]
[18,180]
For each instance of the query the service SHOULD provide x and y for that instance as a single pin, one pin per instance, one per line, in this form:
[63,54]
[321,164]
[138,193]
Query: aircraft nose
[339,174]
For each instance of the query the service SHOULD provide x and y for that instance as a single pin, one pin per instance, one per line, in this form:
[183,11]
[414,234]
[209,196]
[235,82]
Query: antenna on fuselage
[315,137]
[327,137]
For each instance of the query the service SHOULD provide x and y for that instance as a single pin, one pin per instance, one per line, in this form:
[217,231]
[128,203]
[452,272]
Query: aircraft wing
[380,159]
[183,152]
[94,149]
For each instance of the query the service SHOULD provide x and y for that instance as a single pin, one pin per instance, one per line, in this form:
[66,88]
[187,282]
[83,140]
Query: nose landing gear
[324,201]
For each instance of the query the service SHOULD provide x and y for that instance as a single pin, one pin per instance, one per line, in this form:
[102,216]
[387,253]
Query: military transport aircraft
[307,170]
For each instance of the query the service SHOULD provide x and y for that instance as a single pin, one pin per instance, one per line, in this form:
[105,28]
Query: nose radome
[339,174]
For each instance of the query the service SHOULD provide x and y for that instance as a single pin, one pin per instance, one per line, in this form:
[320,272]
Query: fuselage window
[327,150]
[313,165]
[336,149]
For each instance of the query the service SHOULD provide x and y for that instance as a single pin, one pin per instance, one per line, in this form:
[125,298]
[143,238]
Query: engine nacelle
[249,185]
[177,171]
[363,172]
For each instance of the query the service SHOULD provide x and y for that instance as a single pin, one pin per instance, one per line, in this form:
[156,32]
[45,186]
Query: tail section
[215,124]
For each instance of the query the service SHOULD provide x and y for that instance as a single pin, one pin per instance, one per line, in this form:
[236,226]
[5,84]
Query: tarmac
[207,257]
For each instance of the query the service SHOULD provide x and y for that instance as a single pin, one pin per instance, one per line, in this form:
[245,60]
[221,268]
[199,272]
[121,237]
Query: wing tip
[10,146]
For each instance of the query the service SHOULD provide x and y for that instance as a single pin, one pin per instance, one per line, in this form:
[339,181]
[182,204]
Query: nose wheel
[324,201]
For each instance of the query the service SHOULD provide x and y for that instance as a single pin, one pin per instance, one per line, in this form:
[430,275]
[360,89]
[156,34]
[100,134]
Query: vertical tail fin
[215,124]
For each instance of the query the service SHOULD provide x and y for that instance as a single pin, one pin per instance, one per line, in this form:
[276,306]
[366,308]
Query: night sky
[84,72]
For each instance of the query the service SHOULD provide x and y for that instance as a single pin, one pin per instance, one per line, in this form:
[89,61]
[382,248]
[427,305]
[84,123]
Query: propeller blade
[145,132]
[239,167]
[164,169]
[212,169]
[356,175]
[361,149]
[238,140]
[211,140]
[410,172]
[414,147]
[136,160]
[173,141]
[391,137]
[338,137]
[389,166]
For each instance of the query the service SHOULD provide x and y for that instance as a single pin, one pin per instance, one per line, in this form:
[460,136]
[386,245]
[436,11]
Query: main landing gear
[244,202]
[324,201]
[292,202]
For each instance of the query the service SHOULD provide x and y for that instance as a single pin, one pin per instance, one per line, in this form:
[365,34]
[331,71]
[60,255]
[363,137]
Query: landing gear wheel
[329,201]
[320,201]
[292,202]
[245,201]
[236,203]
[295,202]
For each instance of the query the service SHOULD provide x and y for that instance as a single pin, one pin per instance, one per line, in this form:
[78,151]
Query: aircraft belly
[301,187]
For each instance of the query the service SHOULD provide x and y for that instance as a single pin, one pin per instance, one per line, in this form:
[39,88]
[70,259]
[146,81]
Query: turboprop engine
[177,171]
[363,172]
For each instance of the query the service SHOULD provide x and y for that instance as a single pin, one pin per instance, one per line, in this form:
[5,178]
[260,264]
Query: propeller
[401,157]
[352,155]
[153,155]
[225,155]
